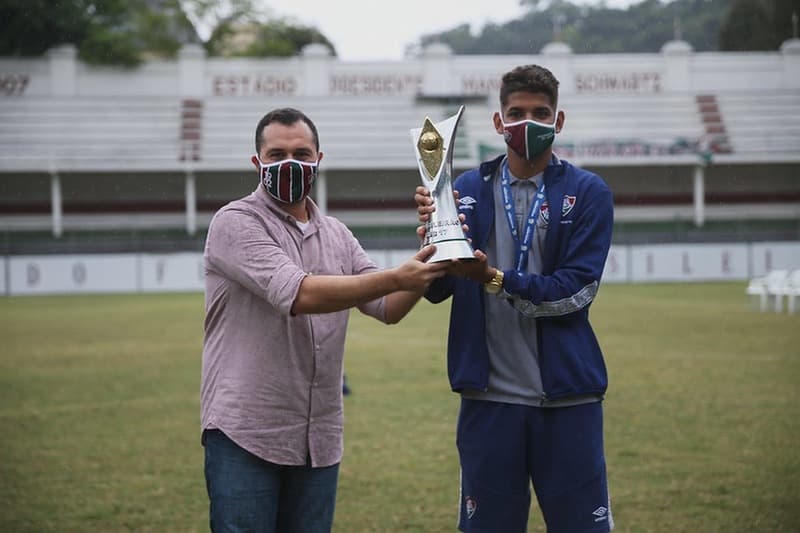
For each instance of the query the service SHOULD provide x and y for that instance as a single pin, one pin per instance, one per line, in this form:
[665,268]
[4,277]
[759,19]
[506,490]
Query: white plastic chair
[791,289]
[763,287]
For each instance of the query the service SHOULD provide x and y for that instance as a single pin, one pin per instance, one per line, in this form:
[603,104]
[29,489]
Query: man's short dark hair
[531,79]
[286,116]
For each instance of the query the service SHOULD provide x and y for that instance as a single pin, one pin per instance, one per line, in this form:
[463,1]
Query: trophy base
[450,250]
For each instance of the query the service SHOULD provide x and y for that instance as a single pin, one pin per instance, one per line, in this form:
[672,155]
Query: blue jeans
[249,494]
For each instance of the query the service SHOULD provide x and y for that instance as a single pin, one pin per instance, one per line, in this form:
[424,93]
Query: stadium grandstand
[702,146]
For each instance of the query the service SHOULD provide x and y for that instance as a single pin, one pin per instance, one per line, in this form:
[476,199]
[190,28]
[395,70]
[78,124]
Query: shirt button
[311,420]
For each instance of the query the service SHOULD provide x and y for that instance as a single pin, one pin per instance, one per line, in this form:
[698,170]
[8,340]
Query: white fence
[183,272]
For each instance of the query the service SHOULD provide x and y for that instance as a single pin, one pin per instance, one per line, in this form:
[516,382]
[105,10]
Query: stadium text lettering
[629,82]
[612,264]
[260,85]
[383,85]
[478,85]
[13,84]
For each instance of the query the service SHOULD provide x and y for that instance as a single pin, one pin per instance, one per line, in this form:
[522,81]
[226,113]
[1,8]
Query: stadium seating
[655,118]
[72,134]
[606,128]
[85,138]
[355,133]
[150,133]
[762,126]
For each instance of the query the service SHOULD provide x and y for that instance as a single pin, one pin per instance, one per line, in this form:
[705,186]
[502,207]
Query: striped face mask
[288,181]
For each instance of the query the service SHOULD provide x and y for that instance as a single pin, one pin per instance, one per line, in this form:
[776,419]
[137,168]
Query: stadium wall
[183,272]
[436,72]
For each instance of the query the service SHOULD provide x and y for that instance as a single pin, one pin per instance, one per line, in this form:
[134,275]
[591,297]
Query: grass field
[100,417]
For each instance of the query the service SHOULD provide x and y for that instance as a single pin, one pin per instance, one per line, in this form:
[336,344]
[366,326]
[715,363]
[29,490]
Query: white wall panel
[768,256]
[110,273]
[4,276]
[689,262]
[54,274]
[616,269]
[179,272]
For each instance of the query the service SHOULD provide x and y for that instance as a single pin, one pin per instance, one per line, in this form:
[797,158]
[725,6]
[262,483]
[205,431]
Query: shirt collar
[535,180]
[513,180]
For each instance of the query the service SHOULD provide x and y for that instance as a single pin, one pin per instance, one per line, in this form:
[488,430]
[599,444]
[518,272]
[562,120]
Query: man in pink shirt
[280,280]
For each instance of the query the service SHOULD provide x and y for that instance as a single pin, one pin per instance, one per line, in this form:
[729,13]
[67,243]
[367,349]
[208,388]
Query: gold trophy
[433,144]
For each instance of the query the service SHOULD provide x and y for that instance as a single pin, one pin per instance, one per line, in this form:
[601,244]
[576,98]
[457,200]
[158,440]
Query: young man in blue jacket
[521,350]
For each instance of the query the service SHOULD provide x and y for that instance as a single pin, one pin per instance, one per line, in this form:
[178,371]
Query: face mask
[288,181]
[529,138]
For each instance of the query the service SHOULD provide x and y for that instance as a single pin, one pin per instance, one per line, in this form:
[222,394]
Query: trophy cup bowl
[433,144]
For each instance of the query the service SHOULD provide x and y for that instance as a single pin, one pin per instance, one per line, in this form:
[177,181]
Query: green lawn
[99,409]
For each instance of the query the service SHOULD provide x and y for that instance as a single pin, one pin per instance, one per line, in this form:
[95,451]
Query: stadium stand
[94,133]
[762,126]
[356,133]
[680,137]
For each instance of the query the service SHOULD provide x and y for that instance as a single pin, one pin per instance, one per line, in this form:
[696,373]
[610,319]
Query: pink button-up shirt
[272,382]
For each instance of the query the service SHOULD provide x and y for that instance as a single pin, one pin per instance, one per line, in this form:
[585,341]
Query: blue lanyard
[530,225]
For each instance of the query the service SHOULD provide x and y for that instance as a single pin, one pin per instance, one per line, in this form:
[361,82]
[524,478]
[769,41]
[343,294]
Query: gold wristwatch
[495,285]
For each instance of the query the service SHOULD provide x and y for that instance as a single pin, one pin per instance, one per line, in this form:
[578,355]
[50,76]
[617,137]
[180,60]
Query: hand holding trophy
[433,144]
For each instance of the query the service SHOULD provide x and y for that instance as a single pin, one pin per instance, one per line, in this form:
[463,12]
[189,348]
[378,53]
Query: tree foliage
[708,25]
[274,38]
[126,32]
[758,24]
[119,32]
[242,28]
[744,17]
